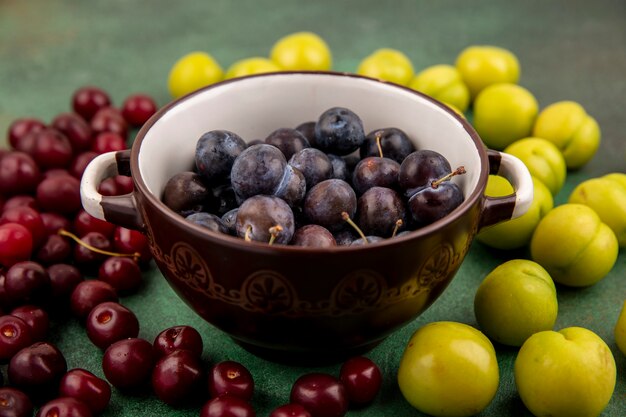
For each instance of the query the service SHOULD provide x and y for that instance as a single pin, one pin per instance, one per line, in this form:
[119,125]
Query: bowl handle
[498,209]
[120,210]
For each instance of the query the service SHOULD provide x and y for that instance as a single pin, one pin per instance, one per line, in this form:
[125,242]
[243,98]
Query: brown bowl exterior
[328,303]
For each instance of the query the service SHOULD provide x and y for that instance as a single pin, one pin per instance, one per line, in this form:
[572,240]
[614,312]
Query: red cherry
[75,128]
[64,279]
[177,376]
[27,143]
[122,273]
[124,184]
[117,185]
[178,338]
[138,108]
[55,172]
[51,149]
[19,174]
[86,101]
[16,244]
[64,407]
[232,378]
[15,334]
[128,363]
[29,218]
[88,294]
[36,318]
[59,194]
[79,163]
[85,257]
[109,119]
[110,322]
[108,142]
[85,386]
[227,406]
[19,201]
[290,410]
[85,223]
[27,282]
[108,187]
[53,222]
[131,241]
[55,249]
[22,127]
[14,403]
[322,394]
[37,369]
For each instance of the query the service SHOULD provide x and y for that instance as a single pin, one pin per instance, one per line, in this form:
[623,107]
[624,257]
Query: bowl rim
[234,242]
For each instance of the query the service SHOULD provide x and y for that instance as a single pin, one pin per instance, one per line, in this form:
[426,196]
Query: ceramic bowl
[285,302]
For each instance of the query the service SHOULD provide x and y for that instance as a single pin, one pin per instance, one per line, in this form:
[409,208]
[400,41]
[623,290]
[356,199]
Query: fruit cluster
[516,304]
[483,79]
[312,184]
[49,245]
[59,262]
[297,51]
[312,394]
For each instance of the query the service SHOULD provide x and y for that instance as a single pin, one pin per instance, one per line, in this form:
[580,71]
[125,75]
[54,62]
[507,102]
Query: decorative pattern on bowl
[269,292]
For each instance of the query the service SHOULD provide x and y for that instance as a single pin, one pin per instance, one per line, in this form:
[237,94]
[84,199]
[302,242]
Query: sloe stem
[347,218]
[398,225]
[246,235]
[274,232]
[459,171]
[380,148]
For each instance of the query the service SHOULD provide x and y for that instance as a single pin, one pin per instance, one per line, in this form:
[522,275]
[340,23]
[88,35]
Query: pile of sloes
[322,184]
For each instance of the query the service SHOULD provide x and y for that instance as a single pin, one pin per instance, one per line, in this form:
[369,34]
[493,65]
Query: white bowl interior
[254,107]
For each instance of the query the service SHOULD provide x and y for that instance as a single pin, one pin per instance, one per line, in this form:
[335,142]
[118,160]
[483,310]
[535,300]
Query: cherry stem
[380,148]
[274,232]
[347,218]
[72,236]
[398,225]
[246,235]
[459,171]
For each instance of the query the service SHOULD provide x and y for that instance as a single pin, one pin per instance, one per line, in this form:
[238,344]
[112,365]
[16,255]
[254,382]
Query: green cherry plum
[484,65]
[504,113]
[606,196]
[387,64]
[443,83]
[193,71]
[544,161]
[571,129]
[449,369]
[514,301]
[250,66]
[573,244]
[302,51]
[569,373]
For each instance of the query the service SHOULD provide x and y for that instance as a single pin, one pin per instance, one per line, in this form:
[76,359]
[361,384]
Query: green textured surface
[568,50]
